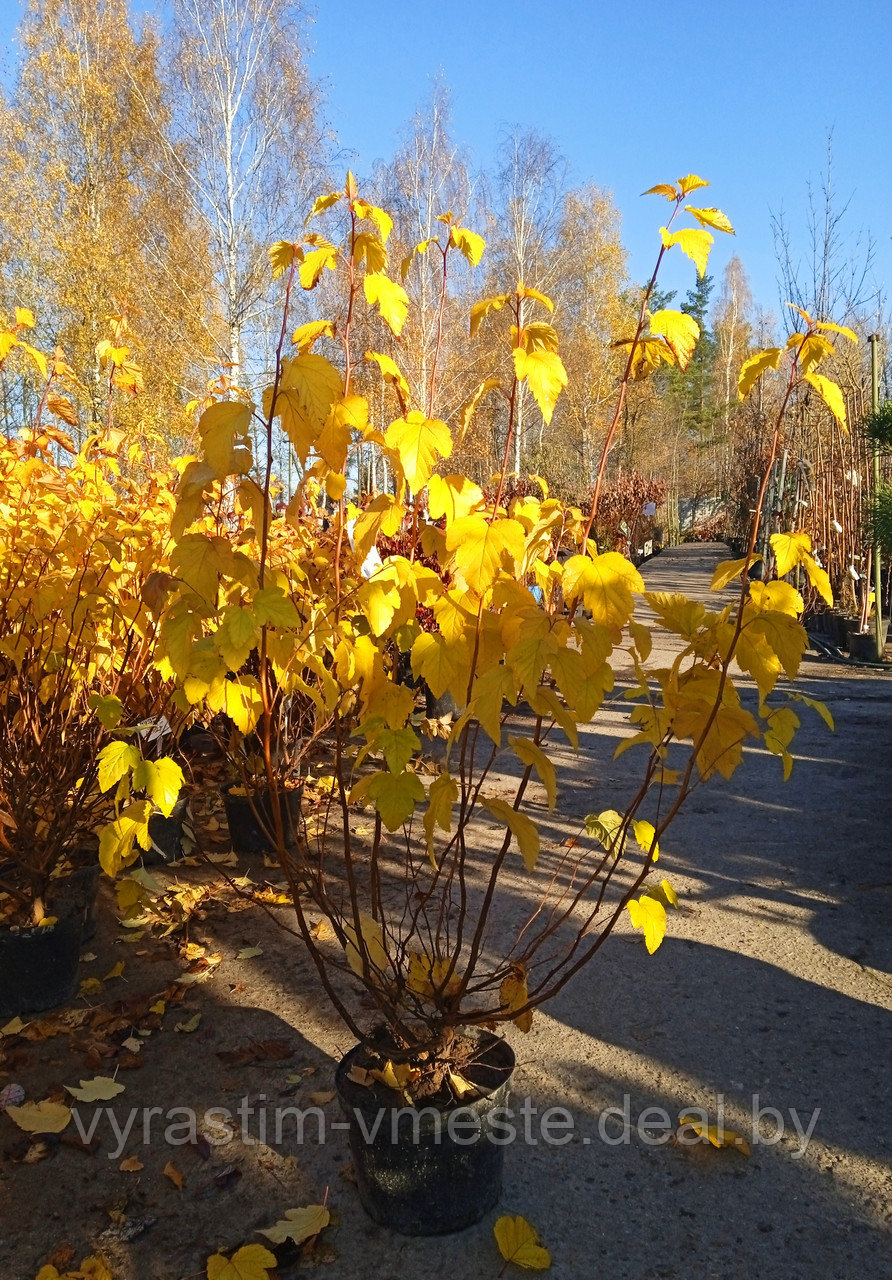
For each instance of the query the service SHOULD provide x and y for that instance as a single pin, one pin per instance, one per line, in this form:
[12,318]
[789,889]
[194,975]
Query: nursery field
[766,1009]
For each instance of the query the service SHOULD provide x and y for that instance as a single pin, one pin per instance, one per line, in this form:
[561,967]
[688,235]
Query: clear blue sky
[743,94]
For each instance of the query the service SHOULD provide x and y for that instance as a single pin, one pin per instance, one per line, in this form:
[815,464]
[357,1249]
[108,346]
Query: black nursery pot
[428,1171]
[38,966]
[167,834]
[246,832]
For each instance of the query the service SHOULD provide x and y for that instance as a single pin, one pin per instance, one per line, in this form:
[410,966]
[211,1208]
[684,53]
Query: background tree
[88,228]
[245,148]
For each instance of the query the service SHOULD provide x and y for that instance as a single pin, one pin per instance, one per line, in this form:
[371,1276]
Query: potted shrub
[77,544]
[415,934]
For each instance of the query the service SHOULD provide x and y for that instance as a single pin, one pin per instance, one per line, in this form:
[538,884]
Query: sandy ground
[772,990]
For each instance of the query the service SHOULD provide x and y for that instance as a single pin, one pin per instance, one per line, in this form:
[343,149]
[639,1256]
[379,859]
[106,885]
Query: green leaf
[109,709]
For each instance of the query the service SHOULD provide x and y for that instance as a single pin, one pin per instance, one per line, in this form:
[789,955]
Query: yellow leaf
[306,334]
[649,914]
[24,317]
[162,780]
[298,1224]
[251,1262]
[831,393]
[790,549]
[40,1117]
[174,1174]
[131,1165]
[805,316]
[420,443]
[513,995]
[243,702]
[382,220]
[607,829]
[837,328]
[396,1075]
[524,830]
[524,291]
[221,427]
[816,705]
[7,342]
[667,894]
[99,1089]
[691,183]
[38,357]
[316,383]
[62,407]
[680,331]
[282,254]
[482,309]
[695,244]
[391,373]
[605,584]
[452,497]
[812,351]
[711,218]
[662,189]
[368,247]
[727,571]
[390,298]
[442,795]
[715,1134]
[468,242]
[519,1243]
[115,760]
[315,262]
[199,561]
[466,412]
[751,370]
[479,551]
[369,941]
[462,1087]
[545,375]
[645,838]
[531,754]
[322,203]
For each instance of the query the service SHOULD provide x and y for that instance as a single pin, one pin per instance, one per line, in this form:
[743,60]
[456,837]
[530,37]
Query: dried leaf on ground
[40,1117]
[298,1224]
[519,1243]
[99,1089]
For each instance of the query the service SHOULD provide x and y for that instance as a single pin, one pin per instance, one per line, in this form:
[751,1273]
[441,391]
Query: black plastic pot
[167,834]
[428,1171]
[246,832]
[38,966]
[77,893]
[436,708]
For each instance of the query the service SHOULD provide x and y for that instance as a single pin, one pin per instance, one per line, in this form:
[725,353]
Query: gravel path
[771,991]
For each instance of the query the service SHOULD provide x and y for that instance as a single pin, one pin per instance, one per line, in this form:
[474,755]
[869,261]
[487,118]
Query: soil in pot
[435,1166]
[38,964]
[246,833]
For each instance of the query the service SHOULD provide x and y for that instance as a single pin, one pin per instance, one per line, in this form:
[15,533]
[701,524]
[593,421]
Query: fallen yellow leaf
[519,1243]
[40,1117]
